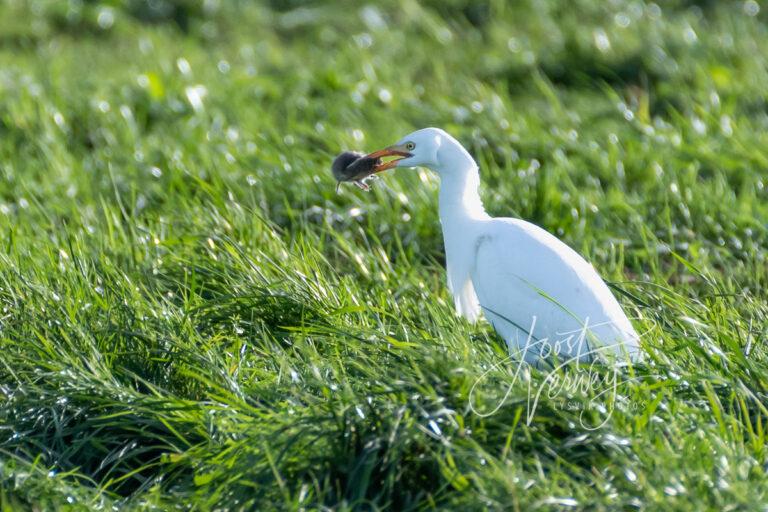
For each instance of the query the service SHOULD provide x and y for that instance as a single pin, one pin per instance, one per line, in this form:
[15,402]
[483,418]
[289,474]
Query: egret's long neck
[460,211]
[459,188]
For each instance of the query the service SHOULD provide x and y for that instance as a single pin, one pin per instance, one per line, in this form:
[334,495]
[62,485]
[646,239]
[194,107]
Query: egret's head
[420,148]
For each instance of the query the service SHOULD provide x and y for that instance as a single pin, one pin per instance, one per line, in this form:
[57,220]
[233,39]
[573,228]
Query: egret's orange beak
[398,151]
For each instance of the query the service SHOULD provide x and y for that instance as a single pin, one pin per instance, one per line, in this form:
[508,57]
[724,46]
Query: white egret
[540,295]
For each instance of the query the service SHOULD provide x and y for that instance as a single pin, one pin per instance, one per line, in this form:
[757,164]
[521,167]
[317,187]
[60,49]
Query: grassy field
[192,318]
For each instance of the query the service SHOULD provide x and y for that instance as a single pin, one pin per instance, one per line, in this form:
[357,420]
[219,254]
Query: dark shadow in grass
[276,312]
[102,436]
[384,460]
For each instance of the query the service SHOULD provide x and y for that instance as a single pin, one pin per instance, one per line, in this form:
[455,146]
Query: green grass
[192,318]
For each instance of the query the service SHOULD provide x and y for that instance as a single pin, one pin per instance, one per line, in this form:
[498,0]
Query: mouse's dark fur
[353,166]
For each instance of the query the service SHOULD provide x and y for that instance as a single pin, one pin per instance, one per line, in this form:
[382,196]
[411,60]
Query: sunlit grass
[192,317]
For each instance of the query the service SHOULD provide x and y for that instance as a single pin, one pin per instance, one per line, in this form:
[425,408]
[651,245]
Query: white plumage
[540,295]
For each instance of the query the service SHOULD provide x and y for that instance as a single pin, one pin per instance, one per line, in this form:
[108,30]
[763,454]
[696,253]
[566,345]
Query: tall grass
[192,318]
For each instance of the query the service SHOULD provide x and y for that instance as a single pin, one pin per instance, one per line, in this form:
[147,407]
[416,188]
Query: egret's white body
[540,295]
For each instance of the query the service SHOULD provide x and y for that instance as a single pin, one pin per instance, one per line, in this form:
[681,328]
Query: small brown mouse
[355,167]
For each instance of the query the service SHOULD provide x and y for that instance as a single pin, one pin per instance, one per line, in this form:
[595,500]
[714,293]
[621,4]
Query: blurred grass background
[192,318]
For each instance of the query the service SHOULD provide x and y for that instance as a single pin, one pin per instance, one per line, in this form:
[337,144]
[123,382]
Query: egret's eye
[410,146]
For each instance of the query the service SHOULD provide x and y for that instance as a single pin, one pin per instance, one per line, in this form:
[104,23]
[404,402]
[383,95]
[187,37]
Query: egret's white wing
[538,292]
